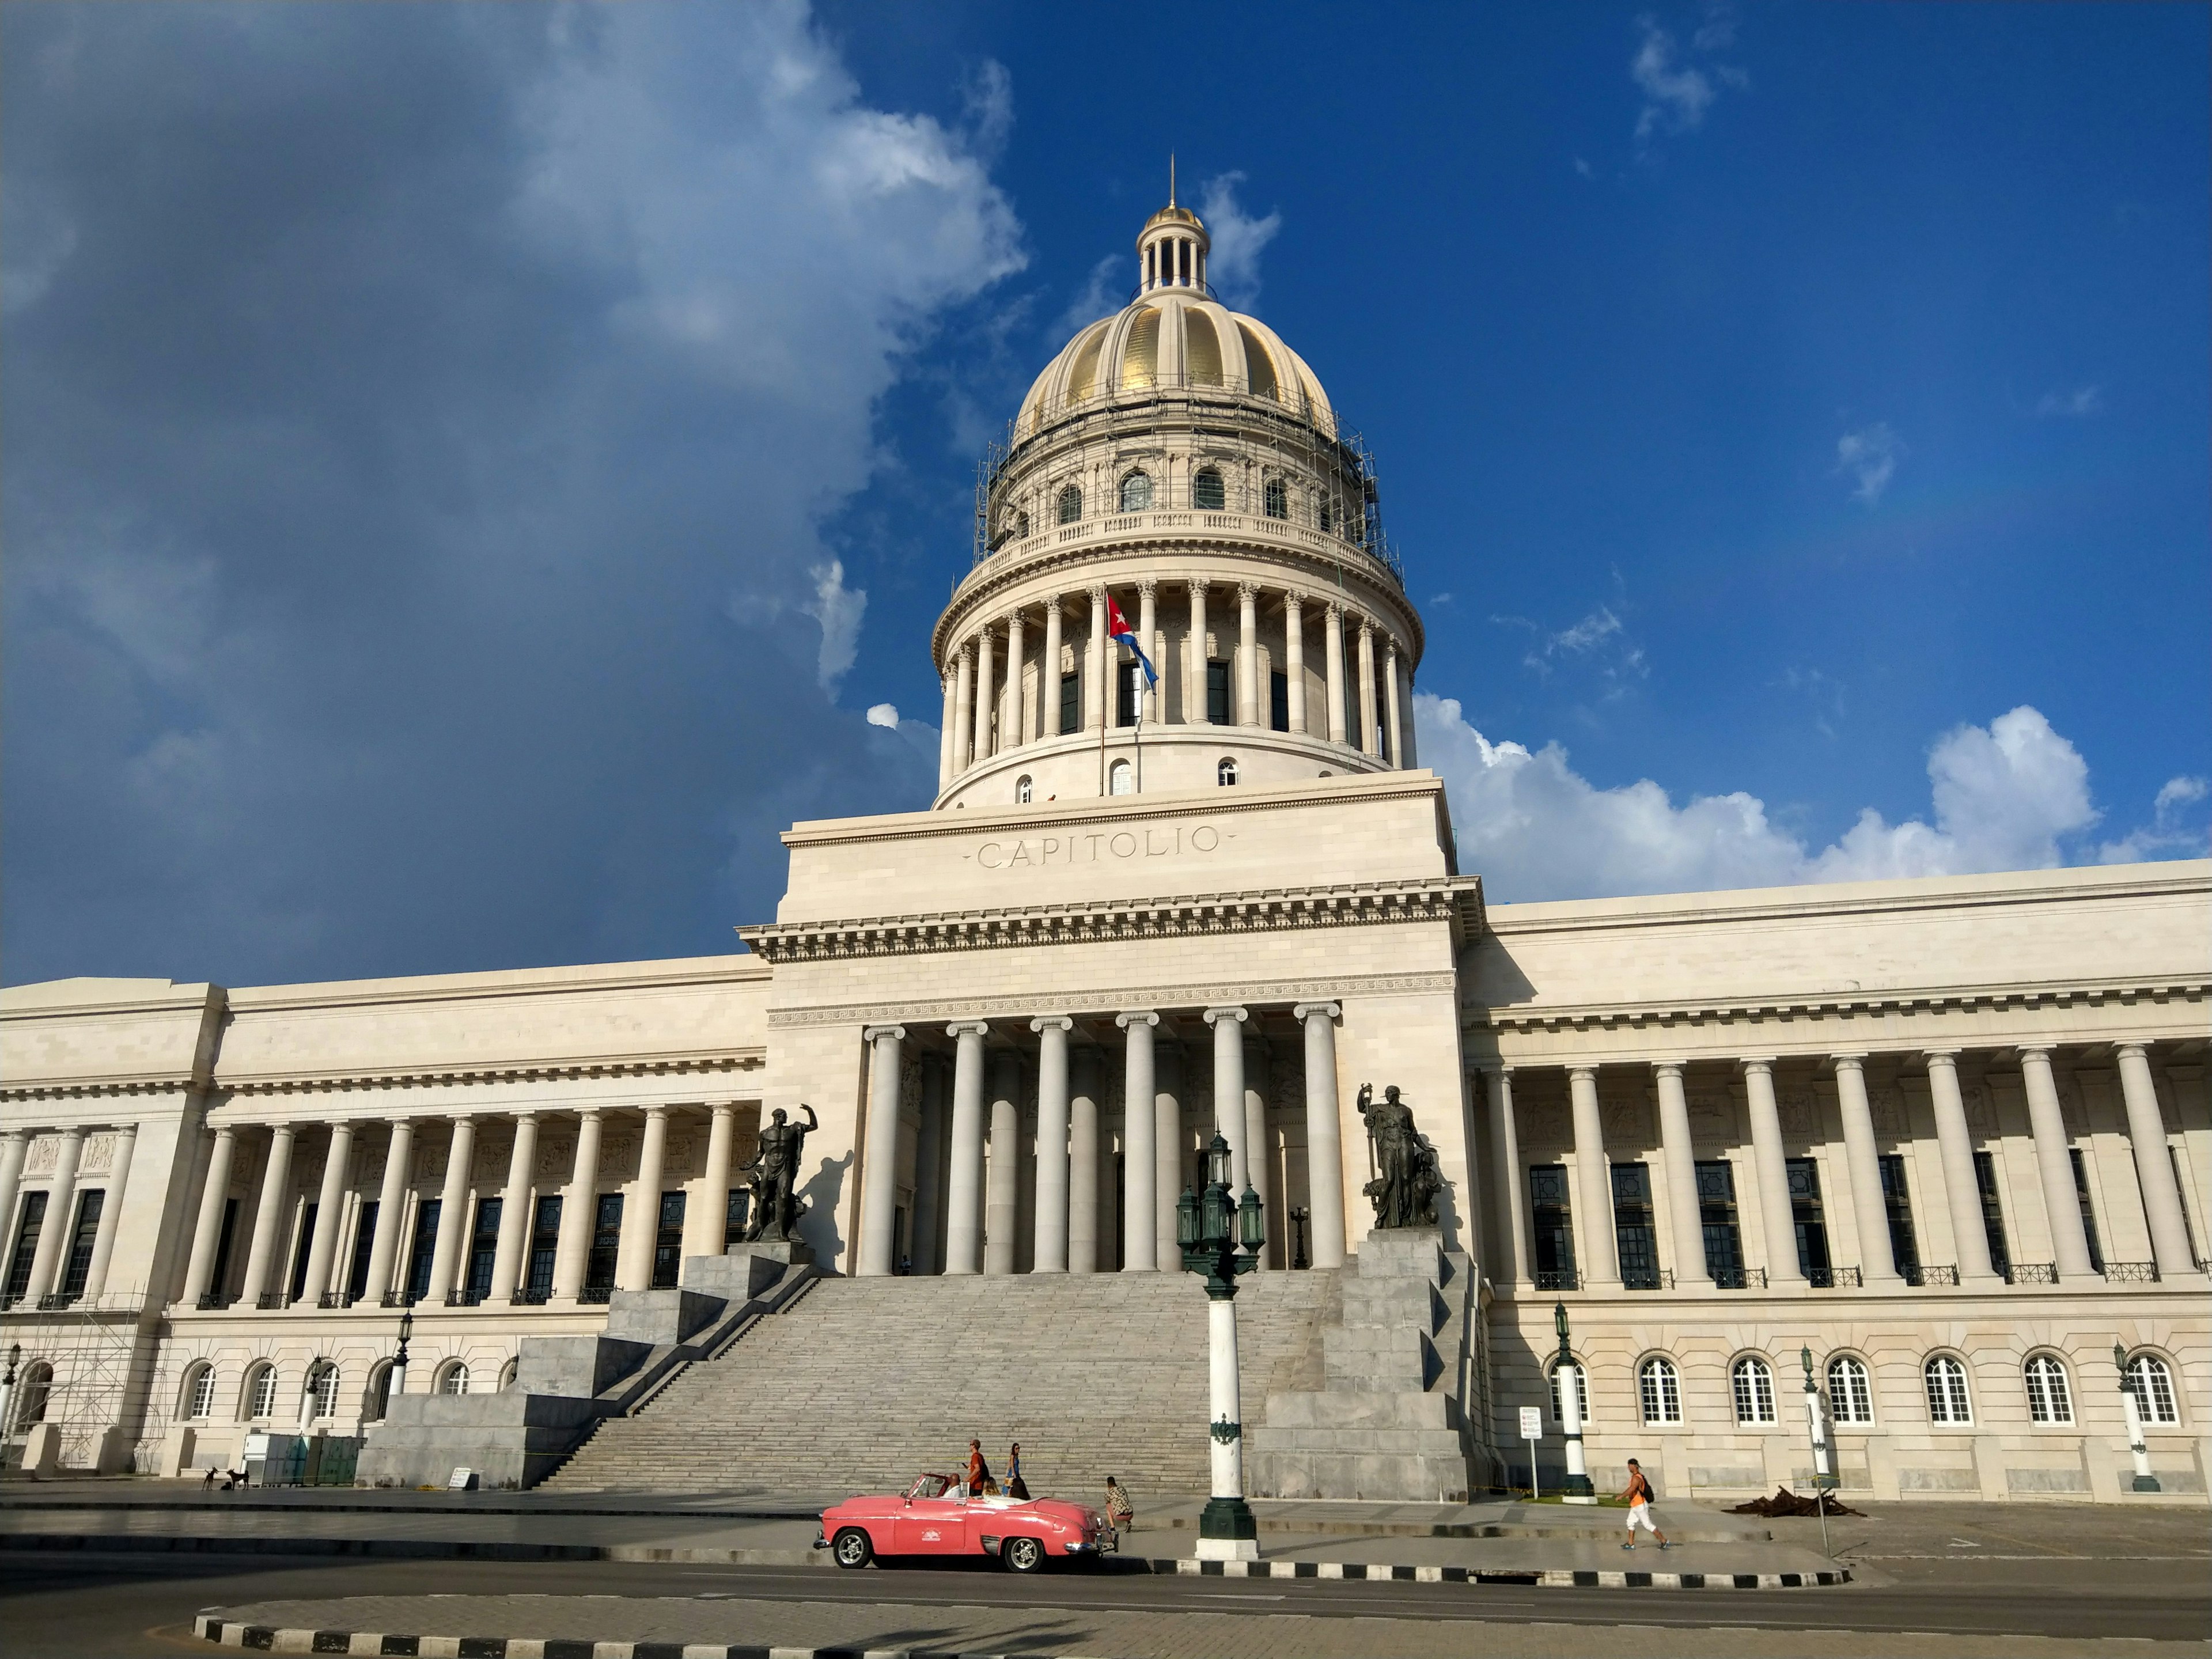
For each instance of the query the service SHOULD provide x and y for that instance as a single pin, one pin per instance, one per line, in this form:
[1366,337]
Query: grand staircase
[862,1382]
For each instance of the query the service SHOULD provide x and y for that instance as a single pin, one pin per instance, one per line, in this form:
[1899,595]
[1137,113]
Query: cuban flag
[1117,626]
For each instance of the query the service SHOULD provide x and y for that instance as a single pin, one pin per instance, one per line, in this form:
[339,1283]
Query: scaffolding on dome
[96,1377]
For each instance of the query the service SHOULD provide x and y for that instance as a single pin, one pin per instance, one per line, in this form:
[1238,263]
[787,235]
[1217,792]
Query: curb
[1549,1577]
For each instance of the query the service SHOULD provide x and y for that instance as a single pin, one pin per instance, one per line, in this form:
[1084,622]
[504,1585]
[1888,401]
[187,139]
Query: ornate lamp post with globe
[2138,1448]
[1209,1228]
[1567,1378]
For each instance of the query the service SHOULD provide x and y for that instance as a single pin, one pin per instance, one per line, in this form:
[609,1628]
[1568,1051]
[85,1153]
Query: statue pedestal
[744,1270]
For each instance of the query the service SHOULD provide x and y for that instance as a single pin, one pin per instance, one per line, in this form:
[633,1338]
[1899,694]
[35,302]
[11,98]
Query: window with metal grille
[1217,693]
[1896,1204]
[2050,1400]
[220,1277]
[1659,1386]
[1717,1220]
[483,1247]
[422,1250]
[303,1250]
[1071,503]
[261,1393]
[323,1390]
[1633,1232]
[1278,701]
[1071,703]
[668,1243]
[1850,1392]
[455,1380]
[1993,1227]
[1947,1402]
[1551,1218]
[1224,772]
[1752,1381]
[2088,1209]
[734,1216]
[83,1241]
[200,1393]
[364,1245]
[2150,1379]
[377,1400]
[606,1243]
[1207,492]
[1128,687]
[1137,492]
[1809,1216]
[1121,779]
[544,1246]
[28,1228]
[1276,499]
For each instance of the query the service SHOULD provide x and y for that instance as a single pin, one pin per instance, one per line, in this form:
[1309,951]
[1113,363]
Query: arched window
[33,1394]
[1275,498]
[1946,1390]
[196,1400]
[1207,491]
[1659,1386]
[1137,492]
[376,1399]
[454,1378]
[1071,503]
[2150,1379]
[2050,1400]
[1752,1379]
[1121,779]
[1850,1397]
[323,1389]
[260,1395]
[1024,790]
[507,1373]
[1226,772]
[1582,1391]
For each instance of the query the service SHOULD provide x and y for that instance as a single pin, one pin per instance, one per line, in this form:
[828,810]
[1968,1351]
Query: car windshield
[930,1485]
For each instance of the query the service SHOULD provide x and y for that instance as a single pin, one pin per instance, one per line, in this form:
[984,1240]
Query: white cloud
[1678,91]
[2082,402]
[1599,640]
[883,714]
[2008,796]
[838,609]
[1583,168]
[1870,455]
[1100,294]
[1238,240]
[2165,836]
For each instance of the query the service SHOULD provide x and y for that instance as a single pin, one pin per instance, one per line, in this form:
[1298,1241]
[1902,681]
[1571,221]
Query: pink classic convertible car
[931,1517]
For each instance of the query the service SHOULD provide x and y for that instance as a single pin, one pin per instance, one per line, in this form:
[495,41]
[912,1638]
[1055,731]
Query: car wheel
[1021,1554]
[851,1548]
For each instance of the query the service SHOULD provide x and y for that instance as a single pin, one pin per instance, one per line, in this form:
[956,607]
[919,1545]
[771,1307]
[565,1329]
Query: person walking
[978,1470]
[1015,1487]
[1120,1513]
[1638,1495]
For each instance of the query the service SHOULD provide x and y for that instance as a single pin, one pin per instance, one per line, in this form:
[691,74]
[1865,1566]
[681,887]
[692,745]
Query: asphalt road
[73,1603]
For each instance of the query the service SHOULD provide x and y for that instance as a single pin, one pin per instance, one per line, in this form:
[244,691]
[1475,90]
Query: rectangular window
[79,1267]
[26,1245]
[544,1248]
[483,1249]
[422,1250]
[219,1280]
[1897,1202]
[1639,1240]
[668,1243]
[1130,689]
[2181,1196]
[1217,693]
[733,1217]
[1278,701]
[300,1251]
[364,1245]
[606,1244]
[1071,703]
[1810,1217]
[1551,1218]
[1717,1217]
[2088,1209]
[1985,1178]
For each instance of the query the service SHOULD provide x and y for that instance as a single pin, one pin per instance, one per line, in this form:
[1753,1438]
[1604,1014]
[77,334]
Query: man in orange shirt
[1638,1497]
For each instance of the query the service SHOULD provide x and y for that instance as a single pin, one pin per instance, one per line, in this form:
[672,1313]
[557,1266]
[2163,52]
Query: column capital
[1367,628]
[525,1115]
[1198,585]
[1321,1009]
[2137,1051]
[1757,1063]
[1052,1023]
[1940,1059]
[1582,1073]
[1247,592]
[967,648]
[1390,648]
[872,1033]
[1136,1017]
[726,1109]
[1012,618]
[1148,585]
[1097,592]
[1214,1015]
[1667,1068]
[1292,599]
[2027,1050]
[1335,608]
[961,1028]
[653,1112]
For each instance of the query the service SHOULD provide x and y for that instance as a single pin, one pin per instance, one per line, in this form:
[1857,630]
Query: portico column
[103,1241]
[1778,1225]
[1139,1146]
[1002,1190]
[2062,1201]
[985,708]
[329,1205]
[1407,737]
[1083,1160]
[1877,1260]
[963,710]
[1259,1151]
[1049,670]
[1393,725]
[1148,622]
[1324,1132]
[1294,659]
[572,1250]
[1228,1025]
[515,1211]
[1193,663]
[1014,722]
[207,1236]
[1508,1205]
[391,1200]
[1097,711]
[707,1225]
[1680,1164]
[452,1207]
[1369,744]
[1332,634]
[1600,1252]
[46,1260]
[1962,1193]
[963,1203]
[1048,1254]
[1167,1167]
[268,1218]
[880,1164]
[15,1144]
[945,731]
[1248,654]
[641,1220]
[928,1154]
[2169,1229]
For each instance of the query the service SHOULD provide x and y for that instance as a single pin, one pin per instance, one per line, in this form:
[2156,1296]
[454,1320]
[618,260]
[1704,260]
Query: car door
[930,1526]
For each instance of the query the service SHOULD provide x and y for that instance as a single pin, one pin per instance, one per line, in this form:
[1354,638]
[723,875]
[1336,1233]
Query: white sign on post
[1532,1431]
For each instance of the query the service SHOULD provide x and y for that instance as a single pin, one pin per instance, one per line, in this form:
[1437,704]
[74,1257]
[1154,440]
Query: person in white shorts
[1638,1497]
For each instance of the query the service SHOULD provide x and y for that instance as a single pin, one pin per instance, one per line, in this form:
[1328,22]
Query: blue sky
[471,470]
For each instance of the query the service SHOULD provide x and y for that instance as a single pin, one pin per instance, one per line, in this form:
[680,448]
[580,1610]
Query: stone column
[1048,1253]
[1002,1192]
[1248,654]
[986,707]
[1168,1169]
[2061,1200]
[1097,710]
[706,1224]
[268,1241]
[15,1145]
[103,1241]
[1259,1150]
[572,1250]
[391,1200]
[207,1235]
[963,1204]
[1332,645]
[945,731]
[1049,670]
[1877,1262]
[453,1211]
[1599,1255]
[1405,731]
[1148,622]
[1778,1228]
[514,1210]
[52,1249]
[1228,1025]
[641,1220]
[329,1207]
[928,1154]
[1394,728]
[1014,722]
[1324,1132]
[963,711]
[1510,1205]
[1680,1160]
[1193,659]
[1140,1162]
[1962,1193]
[1369,719]
[1083,1160]
[2169,1231]
[1294,659]
[878,1245]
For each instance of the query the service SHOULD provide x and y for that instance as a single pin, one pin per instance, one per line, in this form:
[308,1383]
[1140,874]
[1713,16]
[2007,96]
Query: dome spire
[1173,246]
[1171,201]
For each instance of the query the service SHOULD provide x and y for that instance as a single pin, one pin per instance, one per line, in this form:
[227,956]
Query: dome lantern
[1172,247]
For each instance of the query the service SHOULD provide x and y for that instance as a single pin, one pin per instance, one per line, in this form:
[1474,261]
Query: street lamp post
[1578,1489]
[1823,1480]
[1209,1228]
[1298,1218]
[396,1383]
[2145,1480]
[8,1388]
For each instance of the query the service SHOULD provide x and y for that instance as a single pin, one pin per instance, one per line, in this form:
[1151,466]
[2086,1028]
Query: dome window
[1071,503]
[1206,493]
[1121,779]
[1277,499]
[1225,773]
[1137,492]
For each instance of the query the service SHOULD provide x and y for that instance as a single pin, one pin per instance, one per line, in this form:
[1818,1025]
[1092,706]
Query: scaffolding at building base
[85,1368]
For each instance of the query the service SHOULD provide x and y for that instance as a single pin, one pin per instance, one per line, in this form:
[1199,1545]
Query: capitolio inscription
[1158,841]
